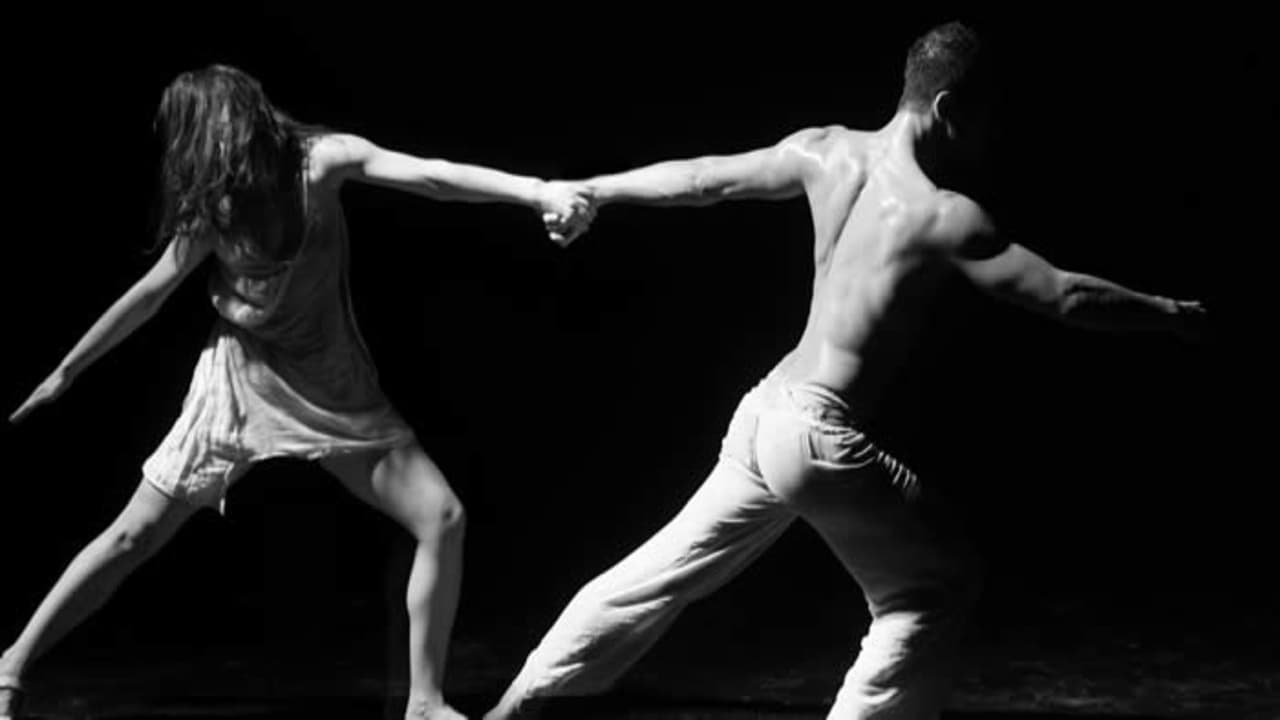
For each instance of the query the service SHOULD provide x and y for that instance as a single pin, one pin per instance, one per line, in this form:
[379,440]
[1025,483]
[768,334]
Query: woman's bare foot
[11,697]
[431,709]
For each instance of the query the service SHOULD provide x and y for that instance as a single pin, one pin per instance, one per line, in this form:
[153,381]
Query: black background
[576,398]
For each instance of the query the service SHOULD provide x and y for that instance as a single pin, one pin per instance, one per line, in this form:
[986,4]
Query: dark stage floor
[1056,659]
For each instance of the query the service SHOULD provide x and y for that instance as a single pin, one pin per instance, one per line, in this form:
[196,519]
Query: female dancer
[284,372]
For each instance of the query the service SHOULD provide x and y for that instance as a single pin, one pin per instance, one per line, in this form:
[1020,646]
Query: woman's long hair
[230,164]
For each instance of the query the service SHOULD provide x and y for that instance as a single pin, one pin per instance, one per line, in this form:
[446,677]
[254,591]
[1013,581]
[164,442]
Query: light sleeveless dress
[284,372]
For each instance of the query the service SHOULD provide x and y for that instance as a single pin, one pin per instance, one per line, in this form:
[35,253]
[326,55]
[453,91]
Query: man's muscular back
[882,234]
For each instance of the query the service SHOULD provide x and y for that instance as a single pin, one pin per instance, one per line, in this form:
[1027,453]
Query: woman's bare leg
[405,484]
[147,522]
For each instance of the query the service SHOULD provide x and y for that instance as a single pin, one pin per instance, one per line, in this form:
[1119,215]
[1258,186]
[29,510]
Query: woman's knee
[132,538]
[451,516]
[437,519]
[144,525]
[418,493]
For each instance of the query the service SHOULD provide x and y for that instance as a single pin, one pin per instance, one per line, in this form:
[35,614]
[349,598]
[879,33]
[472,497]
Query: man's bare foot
[512,709]
[437,709]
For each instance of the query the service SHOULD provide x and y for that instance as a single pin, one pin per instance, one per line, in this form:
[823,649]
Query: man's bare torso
[876,219]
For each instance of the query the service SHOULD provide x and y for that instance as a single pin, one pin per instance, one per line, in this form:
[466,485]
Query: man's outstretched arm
[1014,273]
[773,173]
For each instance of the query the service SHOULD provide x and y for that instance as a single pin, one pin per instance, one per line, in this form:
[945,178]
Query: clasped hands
[567,209]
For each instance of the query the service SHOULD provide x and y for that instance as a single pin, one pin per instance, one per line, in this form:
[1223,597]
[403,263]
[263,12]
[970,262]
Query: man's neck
[919,141]
[910,141]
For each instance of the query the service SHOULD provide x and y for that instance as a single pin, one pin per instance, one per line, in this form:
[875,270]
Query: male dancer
[885,236]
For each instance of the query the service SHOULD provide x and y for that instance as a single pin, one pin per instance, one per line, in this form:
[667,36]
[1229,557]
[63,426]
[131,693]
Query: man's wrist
[600,190]
[1171,311]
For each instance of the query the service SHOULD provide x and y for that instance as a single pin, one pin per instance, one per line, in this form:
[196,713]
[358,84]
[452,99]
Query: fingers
[559,231]
[563,236]
[568,209]
[1193,321]
[42,395]
[1192,308]
[568,213]
[564,229]
[22,412]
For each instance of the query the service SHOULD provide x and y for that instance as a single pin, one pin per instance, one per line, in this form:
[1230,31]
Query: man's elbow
[1063,293]
[1053,294]
[700,184]
[1076,302]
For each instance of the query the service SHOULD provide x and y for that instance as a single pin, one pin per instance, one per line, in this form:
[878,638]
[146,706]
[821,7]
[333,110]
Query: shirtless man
[885,237]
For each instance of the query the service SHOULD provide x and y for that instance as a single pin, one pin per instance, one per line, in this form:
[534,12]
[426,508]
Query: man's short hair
[942,59]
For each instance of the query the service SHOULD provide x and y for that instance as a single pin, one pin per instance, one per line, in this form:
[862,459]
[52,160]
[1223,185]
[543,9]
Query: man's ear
[943,109]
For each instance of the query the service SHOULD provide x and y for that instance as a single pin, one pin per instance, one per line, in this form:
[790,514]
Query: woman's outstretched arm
[350,157]
[125,315]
